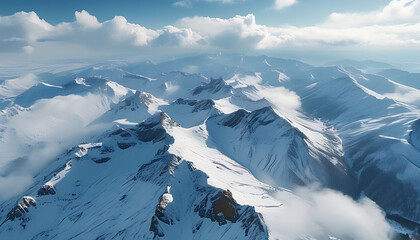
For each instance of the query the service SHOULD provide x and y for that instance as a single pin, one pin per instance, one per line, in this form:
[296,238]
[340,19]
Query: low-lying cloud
[32,137]
[324,214]
[13,87]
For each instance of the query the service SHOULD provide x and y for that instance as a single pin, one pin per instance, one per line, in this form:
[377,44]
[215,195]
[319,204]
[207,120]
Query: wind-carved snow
[81,81]
[222,171]
[84,148]
[59,176]
[282,76]
[217,165]
[226,106]
[50,85]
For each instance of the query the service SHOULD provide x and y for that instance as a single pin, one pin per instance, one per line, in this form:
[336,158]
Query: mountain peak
[154,128]
[260,117]
[197,104]
[159,118]
[215,85]
[233,119]
[140,97]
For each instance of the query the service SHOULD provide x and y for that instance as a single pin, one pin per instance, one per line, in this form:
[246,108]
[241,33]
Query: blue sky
[158,13]
[328,29]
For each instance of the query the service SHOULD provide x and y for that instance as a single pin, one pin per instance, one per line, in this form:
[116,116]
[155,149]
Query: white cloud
[117,32]
[186,4]
[86,20]
[404,94]
[322,214]
[55,125]
[396,10]
[402,35]
[387,28]
[28,49]
[27,32]
[280,4]
[174,36]
[12,185]
[239,32]
[20,30]
[242,32]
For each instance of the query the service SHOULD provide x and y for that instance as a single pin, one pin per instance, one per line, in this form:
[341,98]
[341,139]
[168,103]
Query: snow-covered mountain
[210,147]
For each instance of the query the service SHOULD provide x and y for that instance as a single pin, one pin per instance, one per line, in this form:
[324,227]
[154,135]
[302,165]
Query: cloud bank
[396,10]
[328,214]
[280,4]
[26,148]
[395,26]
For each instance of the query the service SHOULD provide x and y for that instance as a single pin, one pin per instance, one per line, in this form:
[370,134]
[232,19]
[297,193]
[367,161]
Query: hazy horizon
[321,32]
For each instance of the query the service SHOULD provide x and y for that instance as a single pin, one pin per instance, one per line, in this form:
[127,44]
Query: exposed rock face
[20,209]
[97,151]
[102,160]
[255,119]
[155,227]
[214,86]
[222,207]
[160,215]
[153,129]
[124,145]
[296,161]
[199,105]
[46,189]
[166,165]
[136,101]
[121,132]
[235,118]
[125,139]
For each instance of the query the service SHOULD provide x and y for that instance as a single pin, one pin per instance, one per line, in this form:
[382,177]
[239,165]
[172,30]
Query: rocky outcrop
[156,170]
[124,137]
[46,189]
[125,145]
[199,105]
[214,86]
[20,209]
[221,207]
[160,215]
[233,119]
[224,206]
[254,120]
[121,132]
[102,160]
[154,128]
[136,101]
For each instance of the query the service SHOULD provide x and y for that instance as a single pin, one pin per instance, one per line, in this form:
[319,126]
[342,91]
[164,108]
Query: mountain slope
[209,147]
